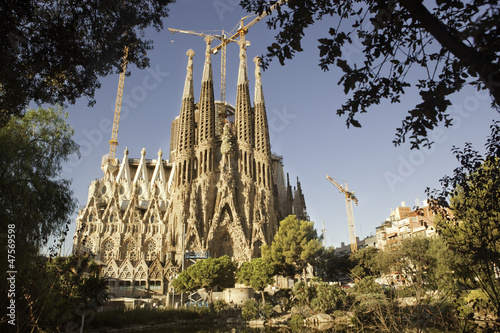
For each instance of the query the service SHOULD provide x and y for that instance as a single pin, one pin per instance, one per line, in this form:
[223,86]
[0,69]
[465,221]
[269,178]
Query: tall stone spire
[185,143]
[243,118]
[206,126]
[262,142]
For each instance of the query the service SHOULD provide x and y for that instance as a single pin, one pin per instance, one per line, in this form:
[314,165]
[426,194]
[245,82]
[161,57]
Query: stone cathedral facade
[221,191]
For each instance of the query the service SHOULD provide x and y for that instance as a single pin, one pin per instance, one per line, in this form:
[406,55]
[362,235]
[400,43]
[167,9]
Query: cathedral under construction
[221,191]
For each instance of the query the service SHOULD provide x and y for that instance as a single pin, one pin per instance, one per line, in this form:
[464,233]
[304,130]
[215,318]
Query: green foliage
[256,274]
[364,261]
[36,205]
[32,196]
[250,310]
[444,47]
[303,293]
[296,322]
[328,298]
[330,266]
[221,305]
[470,221]
[294,246]
[60,292]
[254,310]
[56,51]
[368,285]
[207,273]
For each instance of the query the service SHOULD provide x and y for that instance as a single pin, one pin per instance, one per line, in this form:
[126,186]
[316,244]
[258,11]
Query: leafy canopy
[438,50]
[32,196]
[470,220]
[256,274]
[364,262]
[55,51]
[207,273]
[294,246]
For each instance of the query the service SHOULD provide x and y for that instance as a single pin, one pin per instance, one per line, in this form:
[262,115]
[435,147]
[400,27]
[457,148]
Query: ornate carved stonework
[222,191]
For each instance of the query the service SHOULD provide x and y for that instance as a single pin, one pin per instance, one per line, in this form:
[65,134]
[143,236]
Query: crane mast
[349,198]
[118,106]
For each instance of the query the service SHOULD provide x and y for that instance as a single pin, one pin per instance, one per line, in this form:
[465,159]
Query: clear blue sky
[301,101]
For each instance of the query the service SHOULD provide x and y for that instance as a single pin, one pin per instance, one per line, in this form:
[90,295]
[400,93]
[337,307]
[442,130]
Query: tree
[208,274]
[468,207]
[68,293]
[364,262]
[257,274]
[330,266]
[36,203]
[295,245]
[451,45]
[55,51]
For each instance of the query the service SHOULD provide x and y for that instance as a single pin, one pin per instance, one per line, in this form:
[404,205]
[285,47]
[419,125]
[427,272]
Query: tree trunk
[263,298]
[479,62]
[211,303]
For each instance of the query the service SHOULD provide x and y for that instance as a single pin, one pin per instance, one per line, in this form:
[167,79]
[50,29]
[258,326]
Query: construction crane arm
[343,190]
[188,32]
[244,29]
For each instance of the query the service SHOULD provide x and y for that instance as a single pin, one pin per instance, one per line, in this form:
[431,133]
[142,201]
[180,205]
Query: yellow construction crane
[349,198]
[221,37]
[118,106]
[241,32]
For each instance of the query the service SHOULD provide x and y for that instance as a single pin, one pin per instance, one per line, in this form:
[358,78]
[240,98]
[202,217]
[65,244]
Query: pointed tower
[243,117]
[185,143]
[262,144]
[206,124]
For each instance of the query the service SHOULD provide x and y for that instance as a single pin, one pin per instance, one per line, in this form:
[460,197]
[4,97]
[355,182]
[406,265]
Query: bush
[368,285]
[254,310]
[328,298]
[250,310]
[296,322]
[282,297]
[266,311]
[221,305]
[303,293]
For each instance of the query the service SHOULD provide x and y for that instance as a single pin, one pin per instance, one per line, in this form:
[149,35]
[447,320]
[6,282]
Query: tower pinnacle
[207,69]
[188,86]
[243,117]
[187,125]
[259,94]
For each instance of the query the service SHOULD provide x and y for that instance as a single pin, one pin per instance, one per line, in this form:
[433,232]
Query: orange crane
[118,106]
[349,198]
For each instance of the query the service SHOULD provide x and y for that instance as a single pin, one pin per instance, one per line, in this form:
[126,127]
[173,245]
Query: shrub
[303,293]
[250,310]
[328,298]
[221,305]
[296,322]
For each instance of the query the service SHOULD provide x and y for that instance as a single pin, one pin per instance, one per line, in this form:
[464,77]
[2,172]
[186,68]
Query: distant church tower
[222,191]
